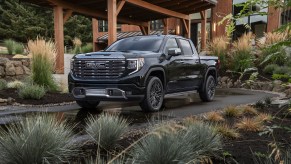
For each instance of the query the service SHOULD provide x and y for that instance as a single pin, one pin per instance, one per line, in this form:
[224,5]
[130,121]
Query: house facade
[205,25]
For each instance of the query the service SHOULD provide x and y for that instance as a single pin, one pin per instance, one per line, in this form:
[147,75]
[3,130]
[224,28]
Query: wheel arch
[210,71]
[158,72]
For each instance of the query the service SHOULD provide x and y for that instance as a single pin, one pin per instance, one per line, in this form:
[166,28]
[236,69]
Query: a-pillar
[112,21]
[203,29]
[59,38]
[95,33]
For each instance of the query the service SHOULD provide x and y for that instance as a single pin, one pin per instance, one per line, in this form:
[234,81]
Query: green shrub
[15,84]
[192,144]
[242,61]
[41,139]
[106,130]
[289,80]
[42,63]
[87,48]
[269,69]
[280,77]
[283,70]
[9,44]
[31,91]
[3,84]
[18,47]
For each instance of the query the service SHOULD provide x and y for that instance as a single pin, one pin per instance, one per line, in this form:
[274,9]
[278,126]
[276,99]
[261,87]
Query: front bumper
[106,92]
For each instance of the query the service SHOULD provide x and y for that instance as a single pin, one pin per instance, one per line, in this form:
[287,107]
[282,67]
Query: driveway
[177,106]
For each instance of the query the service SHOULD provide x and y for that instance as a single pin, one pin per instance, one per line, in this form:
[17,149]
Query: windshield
[140,43]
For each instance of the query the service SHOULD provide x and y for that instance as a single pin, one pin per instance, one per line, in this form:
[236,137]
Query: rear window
[137,44]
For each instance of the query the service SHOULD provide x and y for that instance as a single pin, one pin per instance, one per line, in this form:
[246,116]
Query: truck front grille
[99,68]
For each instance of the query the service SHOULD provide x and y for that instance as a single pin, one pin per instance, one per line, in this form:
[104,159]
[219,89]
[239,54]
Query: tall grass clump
[31,91]
[43,62]
[219,47]
[242,57]
[106,130]
[9,44]
[3,84]
[77,45]
[87,48]
[18,48]
[39,139]
[192,144]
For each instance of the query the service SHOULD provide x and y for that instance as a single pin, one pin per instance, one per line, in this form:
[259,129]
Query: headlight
[72,64]
[135,64]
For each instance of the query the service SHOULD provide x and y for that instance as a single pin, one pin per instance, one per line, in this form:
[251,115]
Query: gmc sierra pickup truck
[144,69]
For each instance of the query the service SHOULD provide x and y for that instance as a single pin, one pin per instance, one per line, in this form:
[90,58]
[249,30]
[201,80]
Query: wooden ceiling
[131,11]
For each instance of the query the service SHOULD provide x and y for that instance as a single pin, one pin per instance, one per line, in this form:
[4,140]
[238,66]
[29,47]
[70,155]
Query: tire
[208,92]
[88,104]
[154,96]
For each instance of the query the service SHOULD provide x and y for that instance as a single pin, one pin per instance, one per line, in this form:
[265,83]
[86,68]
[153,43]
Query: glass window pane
[186,47]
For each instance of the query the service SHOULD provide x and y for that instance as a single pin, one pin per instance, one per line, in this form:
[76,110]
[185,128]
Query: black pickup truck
[144,69]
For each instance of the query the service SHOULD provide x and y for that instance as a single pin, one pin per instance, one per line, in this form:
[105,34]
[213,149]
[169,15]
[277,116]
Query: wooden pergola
[135,12]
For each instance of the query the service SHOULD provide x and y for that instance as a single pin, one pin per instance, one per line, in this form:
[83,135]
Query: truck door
[191,75]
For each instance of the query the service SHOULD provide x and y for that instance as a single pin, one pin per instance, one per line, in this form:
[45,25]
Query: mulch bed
[49,98]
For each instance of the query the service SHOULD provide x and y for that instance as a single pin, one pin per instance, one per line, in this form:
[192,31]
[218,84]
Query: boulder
[17,63]
[277,82]
[229,84]
[224,79]
[25,63]
[2,71]
[3,61]
[26,70]
[10,69]
[19,71]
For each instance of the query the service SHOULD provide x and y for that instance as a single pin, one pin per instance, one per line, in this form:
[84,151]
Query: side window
[171,43]
[186,47]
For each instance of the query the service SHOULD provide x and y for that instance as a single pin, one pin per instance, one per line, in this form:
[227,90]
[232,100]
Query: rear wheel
[208,93]
[88,104]
[154,96]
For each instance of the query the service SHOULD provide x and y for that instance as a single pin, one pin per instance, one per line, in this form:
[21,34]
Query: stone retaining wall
[11,69]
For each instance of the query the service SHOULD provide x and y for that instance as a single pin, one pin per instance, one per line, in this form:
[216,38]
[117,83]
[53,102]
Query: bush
[232,111]
[77,45]
[192,144]
[15,84]
[41,139]
[43,60]
[226,131]
[269,69]
[87,48]
[219,47]
[31,91]
[9,44]
[280,77]
[249,124]
[283,70]
[18,47]
[3,84]
[106,130]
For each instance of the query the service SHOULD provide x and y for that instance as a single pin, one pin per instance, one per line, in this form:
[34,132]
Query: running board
[179,94]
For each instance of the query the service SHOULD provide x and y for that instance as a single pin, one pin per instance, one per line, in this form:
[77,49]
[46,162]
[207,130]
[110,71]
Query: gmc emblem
[95,65]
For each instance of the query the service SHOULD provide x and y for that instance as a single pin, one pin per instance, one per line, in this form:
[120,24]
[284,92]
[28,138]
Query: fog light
[79,91]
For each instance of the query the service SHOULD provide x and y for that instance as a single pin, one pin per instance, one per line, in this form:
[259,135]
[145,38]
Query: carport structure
[135,12]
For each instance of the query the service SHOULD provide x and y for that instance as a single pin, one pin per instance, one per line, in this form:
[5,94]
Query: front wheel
[154,96]
[208,92]
[88,104]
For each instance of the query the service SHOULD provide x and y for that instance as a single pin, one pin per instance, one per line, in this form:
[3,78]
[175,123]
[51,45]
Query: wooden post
[95,33]
[112,21]
[203,29]
[166,26]
[59,38]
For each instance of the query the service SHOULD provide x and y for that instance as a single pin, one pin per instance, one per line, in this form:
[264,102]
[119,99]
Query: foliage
[9,44]
[249,124]
[184,145]
[242,57]
[42,63]
[249,110]
[269,69]
[40,139]
[263,117]
[77,45]
[18,48]
[283,70]
[266,159]
[87,48]
[280,77]
[213,116]
[226,131]
[15,84]
[106,130]
[232,111]
[268,101]
[3,84]
[31,91]
[260,105]
[219,47]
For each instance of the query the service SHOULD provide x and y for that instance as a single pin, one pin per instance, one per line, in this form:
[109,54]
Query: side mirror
[174,52]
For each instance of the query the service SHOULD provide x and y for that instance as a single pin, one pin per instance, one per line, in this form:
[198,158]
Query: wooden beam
[202,14]
[166,26]
[158,9]
[112,21]
[67,15]
[143,30]
[59,38]
[186,26]
[203,30]
[93,13]
[119,6]
[95,32]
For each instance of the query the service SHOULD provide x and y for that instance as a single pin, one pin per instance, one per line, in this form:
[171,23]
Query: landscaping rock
[19,71]
[25,63]
[10,69]
[224,79]
[17,63]
[288,92]
[267,86]
[277,82]
[278,88]
[2,71]
[3,61]
[229,84]
[26,70]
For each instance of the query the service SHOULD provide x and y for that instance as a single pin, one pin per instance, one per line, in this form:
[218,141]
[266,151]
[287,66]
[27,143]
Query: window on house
[157,25]
[103,26]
